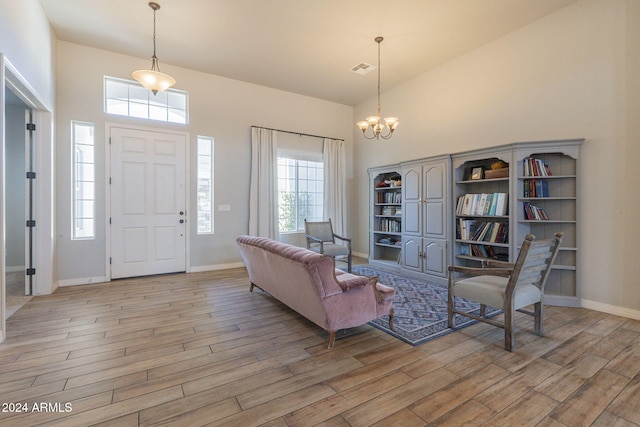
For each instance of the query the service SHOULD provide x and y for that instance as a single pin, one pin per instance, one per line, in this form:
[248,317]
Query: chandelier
[153,79]
[378,129]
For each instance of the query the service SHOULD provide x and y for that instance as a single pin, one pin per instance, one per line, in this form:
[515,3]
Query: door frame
[107,170]
[44,164]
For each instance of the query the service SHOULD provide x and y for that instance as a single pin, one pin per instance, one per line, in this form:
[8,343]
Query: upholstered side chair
[321,238]
[509,286]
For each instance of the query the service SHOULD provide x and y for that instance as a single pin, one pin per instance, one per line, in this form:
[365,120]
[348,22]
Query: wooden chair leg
[509,332]
[332,340]
[251,287]
[450,314]
[483,311]
[349,263]
[392,314]
[538,312]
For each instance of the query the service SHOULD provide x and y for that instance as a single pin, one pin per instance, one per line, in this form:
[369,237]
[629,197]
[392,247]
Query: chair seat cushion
[331,249]
[489,290]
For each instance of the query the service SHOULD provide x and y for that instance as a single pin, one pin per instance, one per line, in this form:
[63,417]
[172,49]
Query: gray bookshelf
[426,232]
[556,206]
[385,221]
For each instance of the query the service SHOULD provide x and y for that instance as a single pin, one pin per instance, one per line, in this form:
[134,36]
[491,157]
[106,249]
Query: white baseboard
[562,301]
[360,254]
[103,279]
[214,267]
[611,309]
[82,281]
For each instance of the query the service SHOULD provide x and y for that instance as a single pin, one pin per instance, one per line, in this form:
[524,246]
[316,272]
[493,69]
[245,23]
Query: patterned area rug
[420,307]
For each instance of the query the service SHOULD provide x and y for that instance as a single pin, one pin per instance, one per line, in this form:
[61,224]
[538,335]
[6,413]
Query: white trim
[562,301]
[82,281]
[228,266]
[364,255]
[611,309]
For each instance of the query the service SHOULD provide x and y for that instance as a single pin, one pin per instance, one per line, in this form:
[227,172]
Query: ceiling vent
[363,68]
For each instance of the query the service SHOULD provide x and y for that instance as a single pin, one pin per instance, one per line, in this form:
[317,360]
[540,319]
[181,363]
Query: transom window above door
[128,98]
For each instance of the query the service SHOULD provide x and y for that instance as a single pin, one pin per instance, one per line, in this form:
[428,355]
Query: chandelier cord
[379,80]
[154,58]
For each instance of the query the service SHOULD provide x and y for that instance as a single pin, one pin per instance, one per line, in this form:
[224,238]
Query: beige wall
[571,74]
[219,107]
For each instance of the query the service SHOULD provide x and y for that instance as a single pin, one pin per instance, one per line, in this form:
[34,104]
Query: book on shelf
[482,204]
[535,167]
[535,188]
[390,197]
[491,232]
[534,213]
[390,225]
[467,228]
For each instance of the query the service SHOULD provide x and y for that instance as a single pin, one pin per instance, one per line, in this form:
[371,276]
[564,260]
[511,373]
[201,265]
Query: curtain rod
[297,133]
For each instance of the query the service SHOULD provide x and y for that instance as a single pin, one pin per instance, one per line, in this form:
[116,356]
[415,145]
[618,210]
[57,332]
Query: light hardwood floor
[200,349]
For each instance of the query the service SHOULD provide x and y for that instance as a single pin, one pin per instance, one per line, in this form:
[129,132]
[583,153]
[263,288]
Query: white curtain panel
[263,194]
[335,178]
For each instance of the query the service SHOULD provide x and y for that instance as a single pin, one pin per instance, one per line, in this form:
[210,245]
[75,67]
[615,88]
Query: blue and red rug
[420,307]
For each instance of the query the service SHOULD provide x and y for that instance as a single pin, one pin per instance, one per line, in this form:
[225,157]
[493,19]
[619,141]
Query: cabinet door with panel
[425,217]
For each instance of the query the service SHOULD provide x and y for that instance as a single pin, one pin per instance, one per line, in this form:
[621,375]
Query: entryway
[148,201]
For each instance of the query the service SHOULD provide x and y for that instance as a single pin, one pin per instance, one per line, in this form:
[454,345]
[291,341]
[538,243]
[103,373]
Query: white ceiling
[302,46]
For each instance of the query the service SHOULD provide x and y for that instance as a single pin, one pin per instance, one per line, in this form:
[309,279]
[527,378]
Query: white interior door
[148,202]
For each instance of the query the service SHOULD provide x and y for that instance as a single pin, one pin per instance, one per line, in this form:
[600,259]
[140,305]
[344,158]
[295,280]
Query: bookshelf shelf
[481,181]
[547,221]
[478,242]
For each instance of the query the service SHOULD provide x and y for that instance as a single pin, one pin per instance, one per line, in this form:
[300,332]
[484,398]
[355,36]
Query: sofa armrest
[383,293]
[350,283]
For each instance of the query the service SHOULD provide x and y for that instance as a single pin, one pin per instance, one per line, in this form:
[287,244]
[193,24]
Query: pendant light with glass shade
[378,129]
[153,79]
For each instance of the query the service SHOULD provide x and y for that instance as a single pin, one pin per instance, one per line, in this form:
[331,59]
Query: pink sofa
[310,284]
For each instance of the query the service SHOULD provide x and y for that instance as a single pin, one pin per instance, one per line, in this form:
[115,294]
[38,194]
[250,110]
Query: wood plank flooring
[199,349]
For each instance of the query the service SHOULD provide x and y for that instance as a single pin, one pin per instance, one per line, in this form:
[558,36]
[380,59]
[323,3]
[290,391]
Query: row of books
[390,197]
[491,232]
[483,204]
[534,213]
[483,252]
[536,188]
[535,167]
[389,225]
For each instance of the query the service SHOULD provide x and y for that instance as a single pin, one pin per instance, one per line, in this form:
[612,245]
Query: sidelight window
[84,200]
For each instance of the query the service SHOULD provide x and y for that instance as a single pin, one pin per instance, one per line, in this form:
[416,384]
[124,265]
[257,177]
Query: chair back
[321,230]
[534,262]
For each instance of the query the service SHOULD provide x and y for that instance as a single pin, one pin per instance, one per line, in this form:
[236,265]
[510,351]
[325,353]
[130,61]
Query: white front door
[148,202]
